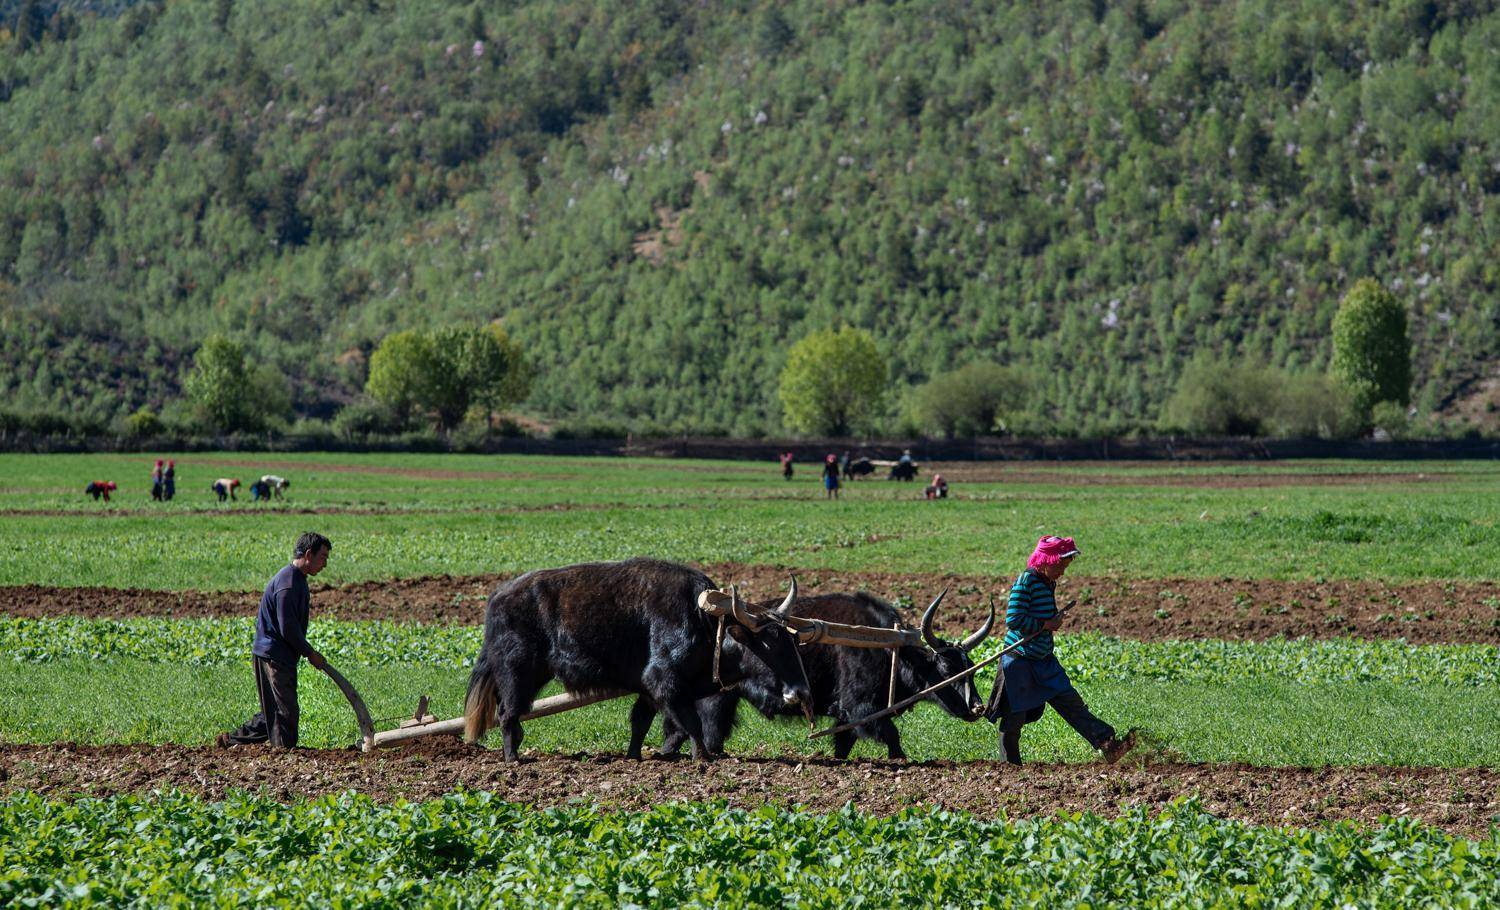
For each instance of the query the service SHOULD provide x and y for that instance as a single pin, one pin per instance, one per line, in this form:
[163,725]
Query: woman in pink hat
[1030,676]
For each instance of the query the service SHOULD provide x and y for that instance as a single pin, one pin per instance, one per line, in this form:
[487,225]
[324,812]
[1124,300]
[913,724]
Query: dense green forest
[658,199]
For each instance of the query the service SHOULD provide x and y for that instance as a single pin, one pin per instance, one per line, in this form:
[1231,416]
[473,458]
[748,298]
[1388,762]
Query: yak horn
[786,605]
[927,636]
[982,632]
[741,615]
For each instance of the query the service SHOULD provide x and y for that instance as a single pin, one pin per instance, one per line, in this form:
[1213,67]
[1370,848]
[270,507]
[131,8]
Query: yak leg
[641,715]
[684,715]
[679,713]
[843,744]
[718,713]
[886,732]
[672,737]
[517,680]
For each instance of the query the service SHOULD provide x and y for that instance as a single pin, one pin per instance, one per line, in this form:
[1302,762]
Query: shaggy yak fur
[850,683]
[634,626]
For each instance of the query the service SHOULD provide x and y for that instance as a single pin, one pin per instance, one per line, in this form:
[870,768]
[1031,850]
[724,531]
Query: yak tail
[479,707]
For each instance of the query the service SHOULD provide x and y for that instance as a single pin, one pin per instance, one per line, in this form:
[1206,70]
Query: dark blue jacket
[281,625]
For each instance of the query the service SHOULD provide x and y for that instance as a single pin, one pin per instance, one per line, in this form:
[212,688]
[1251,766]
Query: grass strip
[1088,656]
[1257,720]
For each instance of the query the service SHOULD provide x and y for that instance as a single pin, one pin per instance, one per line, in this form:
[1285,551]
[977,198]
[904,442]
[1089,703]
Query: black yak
[632,626]
[849,683]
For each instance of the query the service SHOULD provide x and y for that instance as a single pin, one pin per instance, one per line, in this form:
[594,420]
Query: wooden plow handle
[908,702]
[361,713]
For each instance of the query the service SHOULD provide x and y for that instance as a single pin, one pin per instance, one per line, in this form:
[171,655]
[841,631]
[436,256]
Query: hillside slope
[658,198]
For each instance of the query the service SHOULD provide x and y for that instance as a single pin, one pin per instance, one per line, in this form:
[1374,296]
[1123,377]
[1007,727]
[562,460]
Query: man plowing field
[280,644]
[1031,678]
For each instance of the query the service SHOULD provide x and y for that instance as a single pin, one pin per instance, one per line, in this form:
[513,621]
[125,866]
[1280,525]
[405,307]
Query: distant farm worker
[938,489]
[169,481]
[275,484]
[98,488]
[1031,677]
[831,477]
[224,487]
[259,490]
[280,643]
[156,481]
[786,465]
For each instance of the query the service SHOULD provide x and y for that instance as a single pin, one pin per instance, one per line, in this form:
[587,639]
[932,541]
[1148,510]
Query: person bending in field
[280,643]
[1030,677]
[277,485]
[224,487]
[98,488]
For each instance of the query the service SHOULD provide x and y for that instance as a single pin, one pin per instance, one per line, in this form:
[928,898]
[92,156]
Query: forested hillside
[657,199]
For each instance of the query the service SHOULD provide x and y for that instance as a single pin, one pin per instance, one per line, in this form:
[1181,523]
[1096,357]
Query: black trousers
[1069,705]
[276,722]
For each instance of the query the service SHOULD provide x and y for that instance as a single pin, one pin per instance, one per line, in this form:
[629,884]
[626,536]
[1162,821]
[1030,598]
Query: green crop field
[399,516]
[470,850]
[160,680]
[1272,703]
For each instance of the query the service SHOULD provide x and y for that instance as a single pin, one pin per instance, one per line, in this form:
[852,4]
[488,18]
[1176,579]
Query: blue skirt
[1032,683]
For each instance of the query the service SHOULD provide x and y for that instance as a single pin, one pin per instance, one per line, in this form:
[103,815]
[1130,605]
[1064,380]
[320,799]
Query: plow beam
[553,704]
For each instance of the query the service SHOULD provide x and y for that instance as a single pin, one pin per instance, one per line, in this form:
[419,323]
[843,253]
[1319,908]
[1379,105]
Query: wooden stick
[361,713]
[890,695]
[908,702]
[553,704]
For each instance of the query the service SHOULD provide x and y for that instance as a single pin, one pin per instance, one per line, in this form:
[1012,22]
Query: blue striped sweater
[1031,604]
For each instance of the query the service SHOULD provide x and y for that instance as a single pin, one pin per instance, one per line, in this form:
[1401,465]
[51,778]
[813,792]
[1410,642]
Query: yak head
[945,659]
[770,672]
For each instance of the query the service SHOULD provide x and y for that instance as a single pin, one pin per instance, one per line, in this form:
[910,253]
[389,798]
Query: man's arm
[293,628]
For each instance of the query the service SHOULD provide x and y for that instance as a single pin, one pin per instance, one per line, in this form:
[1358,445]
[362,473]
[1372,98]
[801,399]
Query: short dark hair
[310,542]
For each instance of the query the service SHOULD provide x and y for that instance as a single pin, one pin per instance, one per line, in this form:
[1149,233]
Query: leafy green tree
[221,388]
[833,382]
[31,25]
[143,423]
[399,368]
[1371,348]
[502,376]
[968,401]
[1311,404]
[773,33]
[446,372]
[1215,397]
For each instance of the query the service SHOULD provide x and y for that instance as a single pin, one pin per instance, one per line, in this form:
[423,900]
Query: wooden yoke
[814,631]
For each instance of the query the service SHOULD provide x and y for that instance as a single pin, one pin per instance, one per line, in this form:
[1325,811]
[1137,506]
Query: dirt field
[1142,609]
[1461,801]
[1257,475]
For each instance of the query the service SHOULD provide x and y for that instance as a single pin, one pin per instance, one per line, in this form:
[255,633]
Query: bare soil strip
[1245,477]
[1463,801]
[293,466]
[1140,609]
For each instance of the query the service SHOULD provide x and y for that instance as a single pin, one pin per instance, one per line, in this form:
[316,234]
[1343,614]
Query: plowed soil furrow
[1142,609]
[1458,800]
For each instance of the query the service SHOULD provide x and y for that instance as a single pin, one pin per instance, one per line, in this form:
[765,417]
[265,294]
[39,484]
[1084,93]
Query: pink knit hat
[1050,551]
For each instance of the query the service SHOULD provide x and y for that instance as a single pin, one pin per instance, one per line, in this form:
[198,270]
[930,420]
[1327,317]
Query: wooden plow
[724,605]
